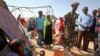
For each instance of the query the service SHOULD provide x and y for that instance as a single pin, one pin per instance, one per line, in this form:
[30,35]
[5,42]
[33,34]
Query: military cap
[75,4]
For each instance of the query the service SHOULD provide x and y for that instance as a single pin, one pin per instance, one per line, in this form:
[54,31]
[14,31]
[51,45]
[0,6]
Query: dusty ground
[75,52]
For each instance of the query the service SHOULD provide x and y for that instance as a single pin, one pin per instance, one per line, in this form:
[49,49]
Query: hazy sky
[60,7]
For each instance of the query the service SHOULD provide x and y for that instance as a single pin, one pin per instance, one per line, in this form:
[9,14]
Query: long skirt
[48,35]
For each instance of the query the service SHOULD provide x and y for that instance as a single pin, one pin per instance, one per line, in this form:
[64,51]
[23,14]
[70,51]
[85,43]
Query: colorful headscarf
[46,23]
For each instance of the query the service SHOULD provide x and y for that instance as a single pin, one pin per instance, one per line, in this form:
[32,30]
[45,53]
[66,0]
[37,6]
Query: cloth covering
[10,25]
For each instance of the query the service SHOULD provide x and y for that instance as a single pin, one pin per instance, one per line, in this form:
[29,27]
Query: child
[42,53]
[59,40]
[17,47]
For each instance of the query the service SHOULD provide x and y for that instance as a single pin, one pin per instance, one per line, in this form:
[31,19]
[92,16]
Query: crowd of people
[67,31]
[73,27]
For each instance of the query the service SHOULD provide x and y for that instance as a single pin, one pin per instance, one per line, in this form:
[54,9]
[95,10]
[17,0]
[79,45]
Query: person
[61,25]
[53,27]
[42,53]
[5,50]
[21,20]
[16,47]
[48,31]
[94,14]
[84,22]
[97,50]
[19,17]
[59,40]
[56,26]
[93,33]
[69,25]
[31,25]
[40,26]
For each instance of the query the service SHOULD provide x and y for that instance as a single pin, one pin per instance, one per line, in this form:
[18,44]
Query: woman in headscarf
[61,25]
[48,31]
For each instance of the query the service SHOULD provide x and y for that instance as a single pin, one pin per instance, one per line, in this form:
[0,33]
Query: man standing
[94,14]
[70,19]
[40,23]
[93,33]
[97,50]
[84,23]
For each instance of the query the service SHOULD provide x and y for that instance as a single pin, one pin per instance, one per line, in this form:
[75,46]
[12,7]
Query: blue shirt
[84,21]
[40,23]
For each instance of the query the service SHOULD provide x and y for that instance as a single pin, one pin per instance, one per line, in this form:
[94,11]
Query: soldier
[70,19]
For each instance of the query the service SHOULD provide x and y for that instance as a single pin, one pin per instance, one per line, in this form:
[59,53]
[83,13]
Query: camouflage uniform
[70,19]
[70,35]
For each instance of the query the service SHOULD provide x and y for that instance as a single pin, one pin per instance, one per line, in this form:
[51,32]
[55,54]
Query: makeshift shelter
[10,25]
[47,10]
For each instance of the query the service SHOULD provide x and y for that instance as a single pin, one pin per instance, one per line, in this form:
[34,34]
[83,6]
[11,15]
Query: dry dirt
[75,52]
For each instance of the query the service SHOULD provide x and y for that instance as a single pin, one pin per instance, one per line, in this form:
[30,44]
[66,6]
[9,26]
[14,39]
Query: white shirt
[84,21]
